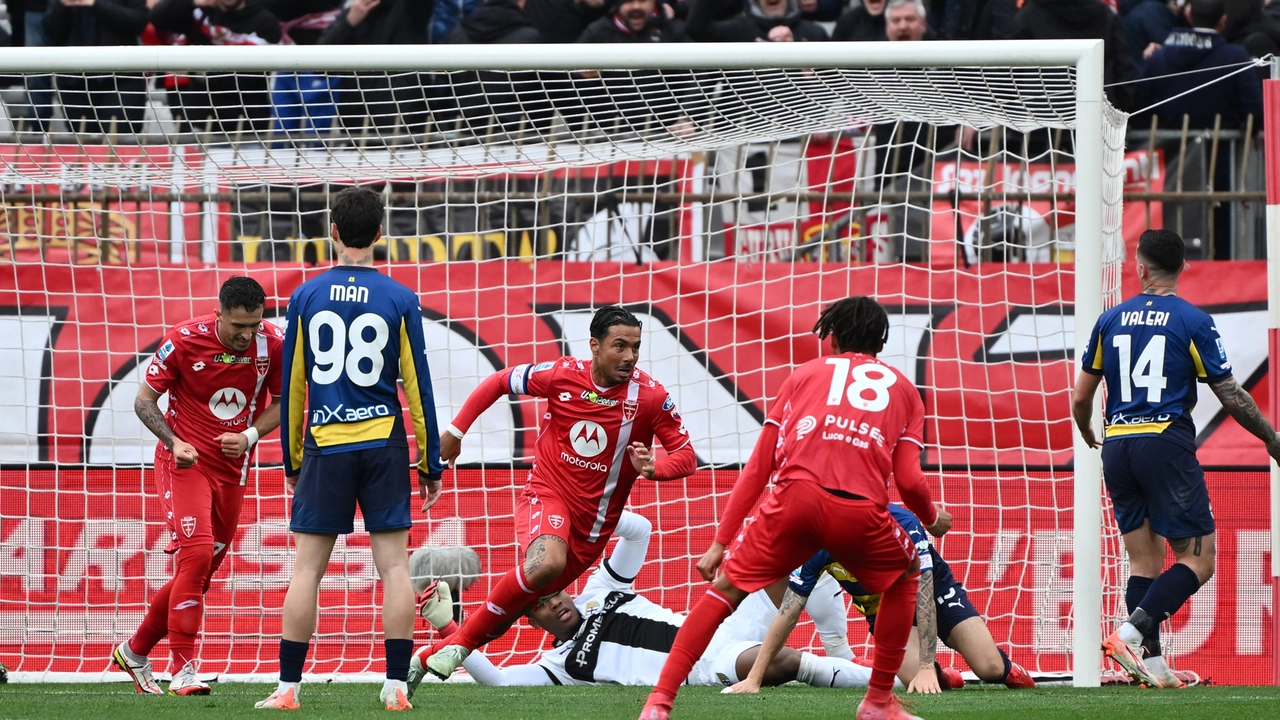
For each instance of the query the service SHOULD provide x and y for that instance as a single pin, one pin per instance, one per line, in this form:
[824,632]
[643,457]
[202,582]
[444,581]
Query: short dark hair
[859,324]
[241,292]
[1163,251]
[1207,13]
[608,316]
[357,211]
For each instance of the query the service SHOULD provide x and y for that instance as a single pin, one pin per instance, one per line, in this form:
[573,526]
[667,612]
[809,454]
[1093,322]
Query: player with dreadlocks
[840,425]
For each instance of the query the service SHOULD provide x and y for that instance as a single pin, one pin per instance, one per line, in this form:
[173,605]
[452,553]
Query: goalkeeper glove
[435,604]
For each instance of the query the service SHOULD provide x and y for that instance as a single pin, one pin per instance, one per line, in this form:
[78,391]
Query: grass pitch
[472,702]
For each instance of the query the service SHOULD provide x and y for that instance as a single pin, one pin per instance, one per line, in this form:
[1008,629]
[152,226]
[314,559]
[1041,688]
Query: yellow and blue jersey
[805,578]
[1151,349]
[352,332]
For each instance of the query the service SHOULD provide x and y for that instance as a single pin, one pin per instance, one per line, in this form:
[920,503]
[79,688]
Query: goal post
[724,192]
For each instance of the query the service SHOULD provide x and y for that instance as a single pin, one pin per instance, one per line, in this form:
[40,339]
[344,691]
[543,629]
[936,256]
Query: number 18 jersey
[352,332]
[1151,349]
[840,419]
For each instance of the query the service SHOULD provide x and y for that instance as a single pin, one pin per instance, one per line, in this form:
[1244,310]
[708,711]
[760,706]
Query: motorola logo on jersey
[588,438]
[227,403]
[805,426]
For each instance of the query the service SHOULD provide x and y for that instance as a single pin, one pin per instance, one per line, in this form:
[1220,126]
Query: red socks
[155,624]
[893,627]
[503,607]
[692,640]
[186,603]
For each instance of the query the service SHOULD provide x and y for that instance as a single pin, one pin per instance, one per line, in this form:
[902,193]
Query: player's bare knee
[727,588]
[1198,553]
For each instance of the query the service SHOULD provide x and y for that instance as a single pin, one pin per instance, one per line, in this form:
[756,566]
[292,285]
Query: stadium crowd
[1154,40]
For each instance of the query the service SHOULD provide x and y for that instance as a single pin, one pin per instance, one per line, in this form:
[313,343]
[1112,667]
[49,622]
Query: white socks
[390,684]
[1156,664]
[283,687]
[829,672]
[1130,634]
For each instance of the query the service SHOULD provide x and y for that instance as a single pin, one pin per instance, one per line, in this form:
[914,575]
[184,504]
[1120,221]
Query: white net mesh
[725,207]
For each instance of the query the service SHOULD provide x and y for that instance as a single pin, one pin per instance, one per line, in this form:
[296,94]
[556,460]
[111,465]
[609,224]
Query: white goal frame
[1085,56]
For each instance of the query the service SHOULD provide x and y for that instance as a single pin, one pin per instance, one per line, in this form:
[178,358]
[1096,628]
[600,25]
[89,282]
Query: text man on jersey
[1151,350]
[845,423]
[943,611]
[220,372]
[352,332]
[609,634]
[602,415]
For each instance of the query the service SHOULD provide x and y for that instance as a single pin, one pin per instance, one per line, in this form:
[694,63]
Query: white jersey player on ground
[611,635]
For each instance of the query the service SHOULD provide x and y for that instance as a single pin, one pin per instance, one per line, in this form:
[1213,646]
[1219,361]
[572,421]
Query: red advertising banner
[82,558]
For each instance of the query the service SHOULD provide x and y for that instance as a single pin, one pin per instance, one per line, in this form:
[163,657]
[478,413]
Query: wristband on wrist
[251,435]
[454,431]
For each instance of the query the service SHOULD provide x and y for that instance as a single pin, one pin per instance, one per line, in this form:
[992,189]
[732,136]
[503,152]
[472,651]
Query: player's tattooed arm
[148,411]
[1240,405]
[927,619]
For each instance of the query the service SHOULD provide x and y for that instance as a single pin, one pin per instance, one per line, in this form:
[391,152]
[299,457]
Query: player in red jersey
[220,372]
[602,414]
[839,427]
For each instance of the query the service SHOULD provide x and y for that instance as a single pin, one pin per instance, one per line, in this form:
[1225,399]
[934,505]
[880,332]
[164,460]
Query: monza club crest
[188,524]
[629,409]
[556,521]
[263,364]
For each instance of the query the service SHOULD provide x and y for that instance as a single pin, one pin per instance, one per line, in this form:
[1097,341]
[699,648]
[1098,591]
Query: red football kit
[581,476]
[212,390]
[840,426]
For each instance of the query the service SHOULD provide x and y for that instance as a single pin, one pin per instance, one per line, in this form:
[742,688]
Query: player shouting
[839,426]
[220,372]
[602,414]
[1151,349]
[943,611]
[352,333]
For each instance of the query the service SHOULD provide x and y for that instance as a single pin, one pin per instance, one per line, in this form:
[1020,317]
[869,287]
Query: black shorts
[952,601]
[1151,478]
[330,486]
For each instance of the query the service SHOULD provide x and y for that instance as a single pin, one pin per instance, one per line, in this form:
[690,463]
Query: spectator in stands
[562,21]
[227,102]
[99,102]
[381,99]
[984,19]
[497,100]
[1146,22]
[445,16]
[303,100]
[905,21]
[1082,19]
[769,20]
[1249,27]
[633,21]
[864,21]
[822,11]
[497,22]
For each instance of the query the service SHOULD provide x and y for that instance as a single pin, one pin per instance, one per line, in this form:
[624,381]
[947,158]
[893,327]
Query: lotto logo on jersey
[227,403]
[588,438]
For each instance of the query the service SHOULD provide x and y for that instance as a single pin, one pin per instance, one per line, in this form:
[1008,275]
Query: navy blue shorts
[953,605]
[1150,478]
[329,487]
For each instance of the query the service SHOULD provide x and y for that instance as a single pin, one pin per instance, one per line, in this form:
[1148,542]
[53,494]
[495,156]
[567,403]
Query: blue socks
[1166,594]
[399,652]
[292,656]
[1133,596]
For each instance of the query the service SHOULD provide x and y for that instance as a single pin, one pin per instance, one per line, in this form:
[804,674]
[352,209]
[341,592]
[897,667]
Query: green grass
[471,702]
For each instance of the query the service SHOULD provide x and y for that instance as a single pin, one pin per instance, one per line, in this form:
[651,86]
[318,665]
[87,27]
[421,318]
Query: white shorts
[741,631]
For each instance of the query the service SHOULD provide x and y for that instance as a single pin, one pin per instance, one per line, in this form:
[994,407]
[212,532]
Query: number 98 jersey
[352,332]
[839,420]
[1151,349]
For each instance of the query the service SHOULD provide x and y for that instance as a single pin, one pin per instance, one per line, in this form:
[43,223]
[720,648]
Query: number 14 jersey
[1151,349]
[840,418]
[352,332]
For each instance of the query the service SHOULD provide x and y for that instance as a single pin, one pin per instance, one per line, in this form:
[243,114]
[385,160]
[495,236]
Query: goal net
[973,188]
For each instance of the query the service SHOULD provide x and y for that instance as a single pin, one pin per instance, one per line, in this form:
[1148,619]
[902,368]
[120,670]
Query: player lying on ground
[602,415]
[943,611]
[1151,349]
[220,372]
[839,426]
[611,635]
[354,334]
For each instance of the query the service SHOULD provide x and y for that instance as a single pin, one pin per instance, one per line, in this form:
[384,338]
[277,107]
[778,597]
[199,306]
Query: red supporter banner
[79,565]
